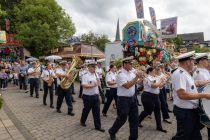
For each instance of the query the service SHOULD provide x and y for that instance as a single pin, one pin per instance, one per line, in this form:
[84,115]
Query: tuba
[65,82]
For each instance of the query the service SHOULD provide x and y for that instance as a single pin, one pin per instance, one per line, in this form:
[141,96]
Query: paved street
[34,121]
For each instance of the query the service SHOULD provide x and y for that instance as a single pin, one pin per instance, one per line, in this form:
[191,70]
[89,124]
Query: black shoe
[37,96]
[112,136]
[71,114]
[31,95]
[26,91]
[140,125]
[58,110]
[170,111]
[167,121]
[82,124]
[161,130]
[51,106]
[41,89]
[100,129]
[74,101]
[44,103]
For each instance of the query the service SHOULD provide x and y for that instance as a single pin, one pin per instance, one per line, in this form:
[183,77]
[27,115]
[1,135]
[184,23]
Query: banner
[169,27]
[152,15]
[3,38]
[7,21]
[139,8]
[11,39]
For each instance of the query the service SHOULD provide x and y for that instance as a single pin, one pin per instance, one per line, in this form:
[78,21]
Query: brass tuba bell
[65,82]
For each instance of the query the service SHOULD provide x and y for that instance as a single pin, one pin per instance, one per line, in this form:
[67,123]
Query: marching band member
[34,75]
[150,98]
[127,102]
[112,85]
[99,71]
[54,67]
[61,73]
[162,95]
[90,83]
[48,76]
[82,72]
[202,75]
[186,97]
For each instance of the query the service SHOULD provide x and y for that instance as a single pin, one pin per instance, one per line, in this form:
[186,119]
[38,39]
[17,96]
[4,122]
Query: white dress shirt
[90,78]
[99,71]
[46,74]
[148,81]
[110,77]
[181,79]
[201,74]
[30,70]
[123,77]
[60,71]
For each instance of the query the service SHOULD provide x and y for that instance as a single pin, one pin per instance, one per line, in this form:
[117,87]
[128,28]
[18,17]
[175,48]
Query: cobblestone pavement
[8,131]
[38,122]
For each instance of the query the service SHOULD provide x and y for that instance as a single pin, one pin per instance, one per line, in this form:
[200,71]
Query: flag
[169,27]
[152,15]
[139,8]
[7,24]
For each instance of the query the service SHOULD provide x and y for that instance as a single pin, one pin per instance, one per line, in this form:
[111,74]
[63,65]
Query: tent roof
[83,50]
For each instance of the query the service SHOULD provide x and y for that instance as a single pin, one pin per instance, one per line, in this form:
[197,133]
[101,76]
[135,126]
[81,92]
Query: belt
[146,92]
[187,109]
[90,95]
[127,97]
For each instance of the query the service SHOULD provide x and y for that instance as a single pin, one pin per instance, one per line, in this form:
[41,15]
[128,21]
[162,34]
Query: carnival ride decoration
[142,40]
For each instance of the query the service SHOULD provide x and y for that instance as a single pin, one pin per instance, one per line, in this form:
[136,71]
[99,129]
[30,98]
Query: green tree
[2,12]
[97,40]
[198,49]
[177,42]
[41,24]
[8,6]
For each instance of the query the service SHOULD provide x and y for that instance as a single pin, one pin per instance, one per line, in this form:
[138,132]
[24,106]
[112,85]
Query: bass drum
[205,108]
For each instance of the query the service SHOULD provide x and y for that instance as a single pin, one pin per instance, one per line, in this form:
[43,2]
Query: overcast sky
[100,16]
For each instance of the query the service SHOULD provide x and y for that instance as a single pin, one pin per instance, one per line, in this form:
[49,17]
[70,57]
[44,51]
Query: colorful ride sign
[142,40]
[3,38]
[141,33]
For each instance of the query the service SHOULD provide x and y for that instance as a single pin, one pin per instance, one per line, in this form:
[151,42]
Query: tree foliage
[97,40]
[2,16]
[41,24]
[198,49]
[177,42]
[2,12]
[8,6]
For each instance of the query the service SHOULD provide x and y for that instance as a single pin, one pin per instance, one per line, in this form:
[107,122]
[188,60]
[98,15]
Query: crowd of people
[154,82]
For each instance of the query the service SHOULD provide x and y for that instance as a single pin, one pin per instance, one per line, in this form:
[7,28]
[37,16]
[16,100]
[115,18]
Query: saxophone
[51,80]
[65,82]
